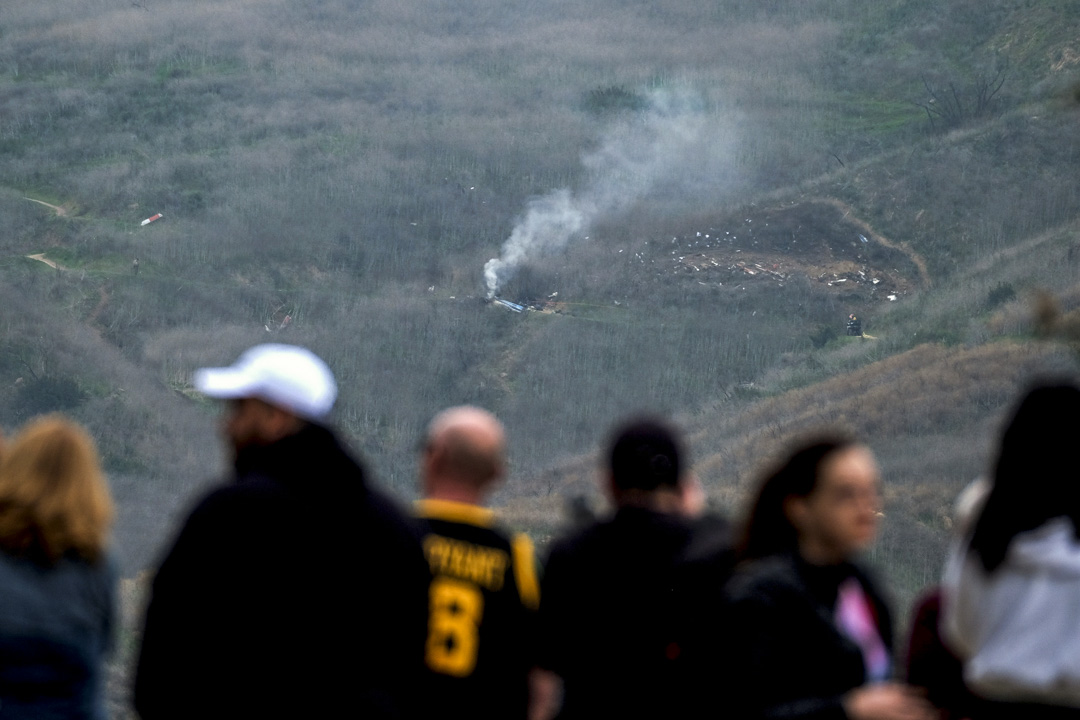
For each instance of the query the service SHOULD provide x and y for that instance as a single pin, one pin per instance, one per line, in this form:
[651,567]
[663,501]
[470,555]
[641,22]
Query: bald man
[484,593]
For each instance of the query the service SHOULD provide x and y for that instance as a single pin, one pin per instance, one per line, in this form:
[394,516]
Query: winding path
[849,214]
[60,211]
[40,257]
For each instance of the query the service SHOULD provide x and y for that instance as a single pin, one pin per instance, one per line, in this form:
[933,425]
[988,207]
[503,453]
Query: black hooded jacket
[296,591]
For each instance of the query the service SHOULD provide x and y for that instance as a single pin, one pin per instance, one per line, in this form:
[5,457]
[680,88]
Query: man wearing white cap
[294,590]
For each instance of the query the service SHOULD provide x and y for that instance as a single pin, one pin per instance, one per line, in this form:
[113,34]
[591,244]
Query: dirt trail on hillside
[850,216]
[1005,254]
[60,211]
[102,302]
[40,257]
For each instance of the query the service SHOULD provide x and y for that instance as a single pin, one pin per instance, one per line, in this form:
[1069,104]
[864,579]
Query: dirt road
[40,257]
[60,211]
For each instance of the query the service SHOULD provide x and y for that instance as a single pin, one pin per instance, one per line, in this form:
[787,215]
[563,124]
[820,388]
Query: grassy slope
[334,180]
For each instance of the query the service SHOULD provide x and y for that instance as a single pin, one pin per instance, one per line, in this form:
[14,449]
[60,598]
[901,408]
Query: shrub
[46,394]
[1002,293]
[613,99]
[822,335]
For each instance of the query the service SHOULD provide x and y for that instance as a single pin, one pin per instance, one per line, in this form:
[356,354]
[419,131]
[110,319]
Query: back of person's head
[1036,476]
[467,445]
[645,455]
[768,530]
[53,498]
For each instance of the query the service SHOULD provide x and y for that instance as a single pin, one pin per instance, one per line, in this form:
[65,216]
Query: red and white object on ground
[151,219]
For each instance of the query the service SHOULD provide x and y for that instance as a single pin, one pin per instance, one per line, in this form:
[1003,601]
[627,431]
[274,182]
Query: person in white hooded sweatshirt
[1011,606]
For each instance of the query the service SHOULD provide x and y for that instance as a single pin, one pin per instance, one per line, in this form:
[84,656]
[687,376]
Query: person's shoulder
[219,499]
[711,540]
[764,578]
[681,538]
[240,496]
[233,512]
[870,581]
[384,510]
[465,521]
[593,537]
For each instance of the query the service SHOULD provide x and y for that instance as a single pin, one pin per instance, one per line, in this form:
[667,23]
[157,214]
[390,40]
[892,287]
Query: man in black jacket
[628,604]
[295,589]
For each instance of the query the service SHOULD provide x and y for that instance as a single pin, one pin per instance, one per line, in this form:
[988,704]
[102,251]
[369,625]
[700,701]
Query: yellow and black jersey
[482,603]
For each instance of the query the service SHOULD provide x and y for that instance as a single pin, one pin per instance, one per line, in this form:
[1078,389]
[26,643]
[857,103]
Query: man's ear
[692,495]
[435,454]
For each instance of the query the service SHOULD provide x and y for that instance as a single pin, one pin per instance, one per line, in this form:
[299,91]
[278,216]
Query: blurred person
[810,635]
[1012,585]
[484,591]
[57,582]
[930,664]
[628,603]
[294,589]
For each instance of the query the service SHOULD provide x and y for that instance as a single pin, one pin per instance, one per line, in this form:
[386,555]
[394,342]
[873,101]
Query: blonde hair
[53,497]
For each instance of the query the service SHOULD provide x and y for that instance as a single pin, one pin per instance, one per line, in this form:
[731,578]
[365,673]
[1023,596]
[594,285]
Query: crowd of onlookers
[296,589]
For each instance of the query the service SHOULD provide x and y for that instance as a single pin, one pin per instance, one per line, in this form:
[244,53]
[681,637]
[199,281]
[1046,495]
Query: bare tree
[951,104]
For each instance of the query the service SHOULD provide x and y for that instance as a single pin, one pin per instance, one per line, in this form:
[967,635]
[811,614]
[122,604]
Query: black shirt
[627,612]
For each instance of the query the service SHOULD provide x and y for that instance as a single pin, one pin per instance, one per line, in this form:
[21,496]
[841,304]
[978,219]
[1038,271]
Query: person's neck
[663,500]
[453,492]
[817,553]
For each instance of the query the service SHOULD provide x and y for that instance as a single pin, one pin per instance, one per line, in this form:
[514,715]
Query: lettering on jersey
[483,566]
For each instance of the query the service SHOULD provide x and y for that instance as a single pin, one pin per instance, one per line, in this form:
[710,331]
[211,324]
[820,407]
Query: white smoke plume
[656,147]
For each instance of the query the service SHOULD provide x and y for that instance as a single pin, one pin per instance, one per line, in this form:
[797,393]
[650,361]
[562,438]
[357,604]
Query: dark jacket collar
[312,452]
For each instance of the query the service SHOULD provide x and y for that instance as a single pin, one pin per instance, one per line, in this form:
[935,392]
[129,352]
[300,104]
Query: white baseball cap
[287,376]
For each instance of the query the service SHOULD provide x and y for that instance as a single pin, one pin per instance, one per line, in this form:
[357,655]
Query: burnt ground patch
[818,239]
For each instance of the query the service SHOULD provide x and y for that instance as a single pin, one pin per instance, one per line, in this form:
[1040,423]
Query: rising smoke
[673,146]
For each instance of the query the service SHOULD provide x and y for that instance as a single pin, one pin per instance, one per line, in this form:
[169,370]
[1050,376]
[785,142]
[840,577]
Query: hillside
[346,186]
